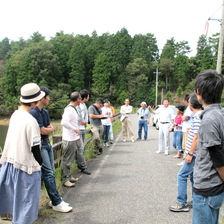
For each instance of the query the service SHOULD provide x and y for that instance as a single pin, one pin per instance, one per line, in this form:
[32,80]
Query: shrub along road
[129,183]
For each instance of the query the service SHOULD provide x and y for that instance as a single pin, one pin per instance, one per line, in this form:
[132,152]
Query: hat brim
[42,94]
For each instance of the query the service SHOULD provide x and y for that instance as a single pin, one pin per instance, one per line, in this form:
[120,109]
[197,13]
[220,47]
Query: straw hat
[31,93]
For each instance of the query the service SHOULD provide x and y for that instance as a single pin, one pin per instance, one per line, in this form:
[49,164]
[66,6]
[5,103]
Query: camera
[142,117]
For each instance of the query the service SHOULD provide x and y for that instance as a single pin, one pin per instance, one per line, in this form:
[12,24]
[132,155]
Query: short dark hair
[74,96]
[193,101]
[186,98]
[99,101]
[105,101]
[209,83]
[26,104]
[166,99]
[84,93]
[46,90]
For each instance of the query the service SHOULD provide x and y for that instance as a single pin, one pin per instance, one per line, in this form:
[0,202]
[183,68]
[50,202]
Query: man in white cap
[144,118]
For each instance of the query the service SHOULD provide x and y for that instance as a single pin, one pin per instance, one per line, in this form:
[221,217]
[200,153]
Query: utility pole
[220,51]
[162,97]
[157,74]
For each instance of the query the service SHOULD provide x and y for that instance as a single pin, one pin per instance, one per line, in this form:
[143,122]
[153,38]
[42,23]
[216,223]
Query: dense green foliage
[112,66]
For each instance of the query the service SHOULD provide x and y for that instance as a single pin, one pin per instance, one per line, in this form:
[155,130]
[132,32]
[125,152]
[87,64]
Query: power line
[216,11]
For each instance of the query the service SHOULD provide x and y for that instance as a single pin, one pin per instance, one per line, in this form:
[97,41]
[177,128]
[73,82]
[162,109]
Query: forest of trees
[112,66]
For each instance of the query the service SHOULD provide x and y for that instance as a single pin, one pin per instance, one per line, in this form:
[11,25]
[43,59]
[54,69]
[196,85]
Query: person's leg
[139,129]
[111,133]
[174,139]
[161,136]
[206,209]
[184,143]
[145,129]
[80,149]
[48,173]
[107,133]
[167,137]
[124,128]
[178,143]
[96,136]
[130,131]
[67,160]
[185,171]
[104,133]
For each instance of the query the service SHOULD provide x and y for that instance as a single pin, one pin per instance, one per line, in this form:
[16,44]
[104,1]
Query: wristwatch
[190,154]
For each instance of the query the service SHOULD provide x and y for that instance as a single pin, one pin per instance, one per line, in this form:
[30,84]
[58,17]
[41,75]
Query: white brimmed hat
[143,103]
[31,93]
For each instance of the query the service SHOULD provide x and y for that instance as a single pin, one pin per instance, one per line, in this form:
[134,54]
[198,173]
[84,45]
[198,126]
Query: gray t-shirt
[96,121]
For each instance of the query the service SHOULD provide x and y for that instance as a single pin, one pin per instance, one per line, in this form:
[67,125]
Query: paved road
[129,183]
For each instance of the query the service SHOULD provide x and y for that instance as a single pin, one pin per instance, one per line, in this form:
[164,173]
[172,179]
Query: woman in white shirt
[106,111]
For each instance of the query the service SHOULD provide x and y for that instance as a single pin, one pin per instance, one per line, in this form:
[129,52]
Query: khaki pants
[97,135]
[184,143]
[126,126]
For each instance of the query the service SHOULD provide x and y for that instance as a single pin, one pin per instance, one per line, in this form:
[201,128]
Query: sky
[181,19]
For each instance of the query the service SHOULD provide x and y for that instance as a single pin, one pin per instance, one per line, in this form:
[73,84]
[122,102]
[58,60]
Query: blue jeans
[185,171]
[177,140]
[106,129]
[206,209]
[142,124]
[48,173]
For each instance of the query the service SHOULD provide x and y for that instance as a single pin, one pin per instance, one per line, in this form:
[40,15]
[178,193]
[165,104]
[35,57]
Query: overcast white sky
[181,19]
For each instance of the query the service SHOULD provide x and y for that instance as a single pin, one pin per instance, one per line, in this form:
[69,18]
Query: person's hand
[149,107]
[188,159]
[51,126]
[101,115]
[82,122]
[170,129]
[148,122]
[77,131]
[188,129]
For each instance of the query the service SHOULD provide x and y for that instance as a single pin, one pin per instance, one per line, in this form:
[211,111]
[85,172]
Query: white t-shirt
[165,114]
[106,121]
[23,133]
[70,124]
[187,124]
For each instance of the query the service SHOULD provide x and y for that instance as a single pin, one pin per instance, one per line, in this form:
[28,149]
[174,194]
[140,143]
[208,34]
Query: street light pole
[157,74]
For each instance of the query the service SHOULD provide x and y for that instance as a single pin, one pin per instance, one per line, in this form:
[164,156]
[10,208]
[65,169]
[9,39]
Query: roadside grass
[44,210]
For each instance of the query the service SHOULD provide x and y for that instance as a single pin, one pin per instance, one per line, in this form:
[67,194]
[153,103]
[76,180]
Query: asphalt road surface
[129,183]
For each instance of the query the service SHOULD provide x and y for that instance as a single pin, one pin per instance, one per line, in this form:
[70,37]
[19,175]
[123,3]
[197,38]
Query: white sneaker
[180,164]
[107,144]
[124,140]
[62,207]
[158,151]
[166,153]
[133,140]
[50,203]
[104,144]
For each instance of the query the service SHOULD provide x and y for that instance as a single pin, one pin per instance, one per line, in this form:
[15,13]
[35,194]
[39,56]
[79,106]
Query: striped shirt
[195,124]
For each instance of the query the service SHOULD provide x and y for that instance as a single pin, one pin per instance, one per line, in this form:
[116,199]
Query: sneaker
[145,138]
[166,153]
[190,204]
[158,151]
[62,207]
[180,164]
[69,184]
[179,208]
[111,142]
[107,144]
[133,140]
[138,139]
[124,140]
[72,179]
[104,144]
[50,203]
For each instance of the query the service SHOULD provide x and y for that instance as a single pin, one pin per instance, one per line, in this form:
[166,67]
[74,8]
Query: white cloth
[23,133]
[165,114]
[84,115]
[164,134]
[126,112]
[70,124]
[187,124]
[104,111]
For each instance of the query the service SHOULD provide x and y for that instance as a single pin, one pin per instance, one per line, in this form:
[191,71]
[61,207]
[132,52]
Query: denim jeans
[142,124]
[106,129]
[206,209]
[80,149]
[48,173]
[185,171]
[177,140]
[111,133]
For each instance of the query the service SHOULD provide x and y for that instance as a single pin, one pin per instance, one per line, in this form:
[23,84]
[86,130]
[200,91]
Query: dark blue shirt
[42,118]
